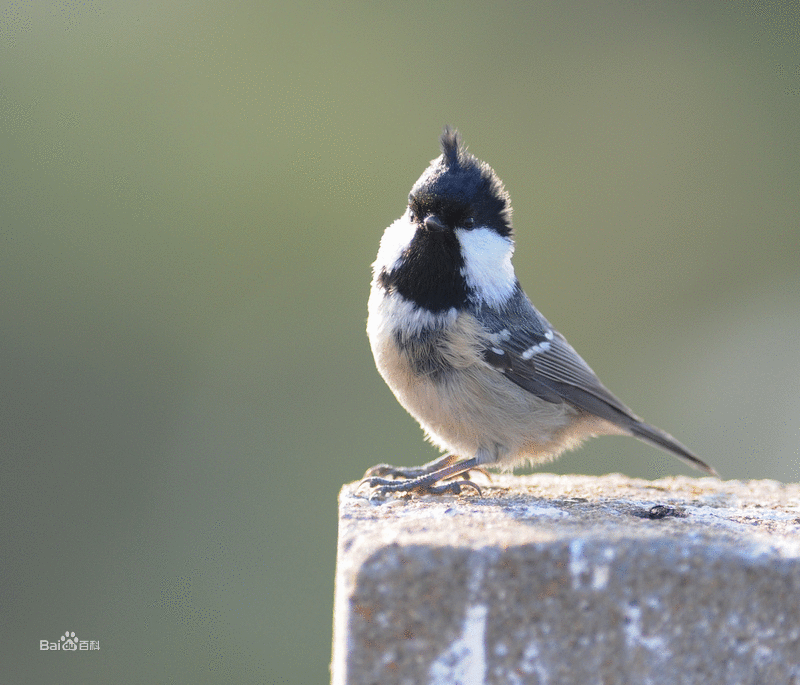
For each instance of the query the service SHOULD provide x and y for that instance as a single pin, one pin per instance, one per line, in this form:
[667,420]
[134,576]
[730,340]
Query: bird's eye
[469,222]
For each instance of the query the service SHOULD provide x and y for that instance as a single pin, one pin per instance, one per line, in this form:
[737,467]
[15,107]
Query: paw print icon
[69,641]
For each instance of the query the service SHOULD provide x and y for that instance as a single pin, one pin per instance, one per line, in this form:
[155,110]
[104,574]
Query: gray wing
[526,349]
[531,353]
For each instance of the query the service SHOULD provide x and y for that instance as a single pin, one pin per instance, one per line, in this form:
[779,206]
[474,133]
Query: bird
[464,350]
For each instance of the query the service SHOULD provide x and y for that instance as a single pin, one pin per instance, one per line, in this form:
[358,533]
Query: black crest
[450,141]
[466,184]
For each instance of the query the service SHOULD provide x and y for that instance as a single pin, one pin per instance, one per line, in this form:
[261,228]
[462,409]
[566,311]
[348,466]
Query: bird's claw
[418,486]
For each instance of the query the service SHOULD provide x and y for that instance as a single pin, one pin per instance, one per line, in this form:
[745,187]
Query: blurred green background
[191,196]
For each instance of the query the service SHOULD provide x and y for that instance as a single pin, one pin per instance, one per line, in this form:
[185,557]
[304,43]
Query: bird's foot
[424,480]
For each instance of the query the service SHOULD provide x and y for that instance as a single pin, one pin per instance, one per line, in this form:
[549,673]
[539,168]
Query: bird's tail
[665,441]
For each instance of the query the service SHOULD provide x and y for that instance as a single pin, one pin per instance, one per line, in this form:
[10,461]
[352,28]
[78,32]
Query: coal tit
[464,350]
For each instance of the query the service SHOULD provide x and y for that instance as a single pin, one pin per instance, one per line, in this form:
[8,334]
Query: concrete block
[555,580]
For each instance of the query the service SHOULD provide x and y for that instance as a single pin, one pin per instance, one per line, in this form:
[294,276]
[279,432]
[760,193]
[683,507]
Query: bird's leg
[390,471]
[423,480]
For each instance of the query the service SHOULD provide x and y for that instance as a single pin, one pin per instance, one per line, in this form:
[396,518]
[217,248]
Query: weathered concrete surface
[557,580]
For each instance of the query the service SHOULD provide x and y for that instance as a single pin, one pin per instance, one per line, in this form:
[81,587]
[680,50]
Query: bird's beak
[433,223]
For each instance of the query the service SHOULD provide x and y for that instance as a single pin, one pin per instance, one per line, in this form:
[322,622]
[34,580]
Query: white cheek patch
[487,264]
[395,240]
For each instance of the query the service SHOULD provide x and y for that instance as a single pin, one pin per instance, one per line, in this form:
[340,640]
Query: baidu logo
[69,643]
